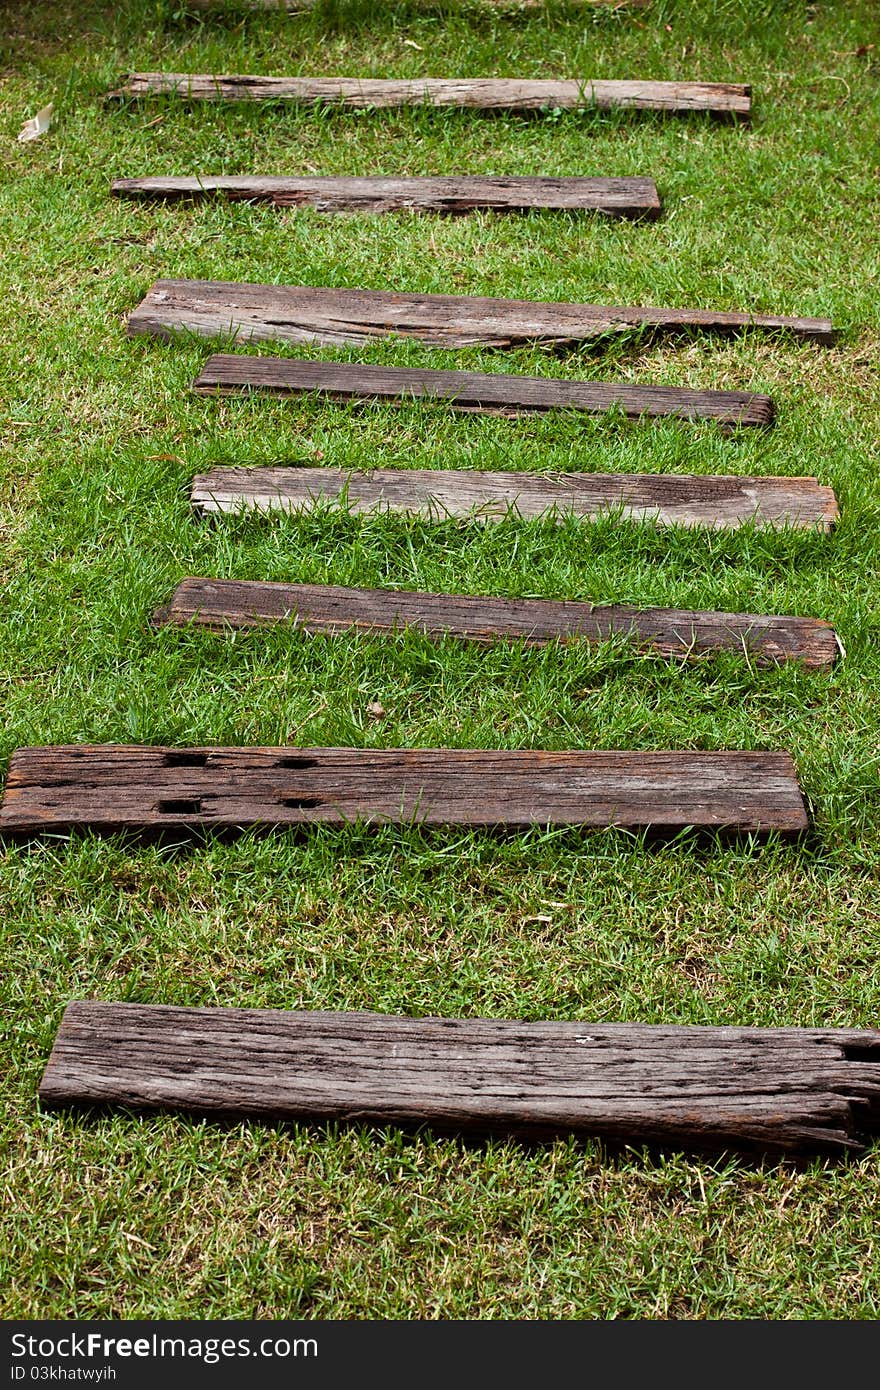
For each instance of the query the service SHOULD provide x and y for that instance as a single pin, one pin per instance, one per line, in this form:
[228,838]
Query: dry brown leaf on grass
[37,125]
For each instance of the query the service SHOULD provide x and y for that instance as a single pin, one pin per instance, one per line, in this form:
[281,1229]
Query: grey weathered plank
[626,197]
[490,394]
[294,6]
[775,1090]
[336,317]
[727,99]
[147,789]
[664,499]
[689,635]
[291,6]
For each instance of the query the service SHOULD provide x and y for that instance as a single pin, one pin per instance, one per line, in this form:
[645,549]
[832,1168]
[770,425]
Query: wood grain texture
[635,198]
[664,499]
[143,789]
[726,99]
[688,635]
[336,317]
[773,1090]
[489,394]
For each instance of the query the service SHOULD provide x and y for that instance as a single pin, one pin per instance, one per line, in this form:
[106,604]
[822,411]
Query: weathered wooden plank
[490,394]
[336,317]
[290,6]
[627,197]
[785,1090]
[664,499]
[685,634]
[295,6]
[143,789]
[727,99]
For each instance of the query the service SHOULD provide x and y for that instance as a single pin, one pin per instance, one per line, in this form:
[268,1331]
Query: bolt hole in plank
[300,803]
[856,1050]
[664,793]
[180,806]
[686,635]
[493,393]
[727,100]
[337,317]
[756,1090]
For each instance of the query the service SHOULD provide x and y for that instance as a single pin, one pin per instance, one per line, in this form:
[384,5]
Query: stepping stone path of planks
[781,1090]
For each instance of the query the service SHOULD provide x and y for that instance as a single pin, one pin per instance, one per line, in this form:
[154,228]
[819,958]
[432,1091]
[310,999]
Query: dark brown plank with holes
[727,99]
[775,1090]
[111,787]
[685,634]
[633,197]
[664,499]
[334,317]
[492,394]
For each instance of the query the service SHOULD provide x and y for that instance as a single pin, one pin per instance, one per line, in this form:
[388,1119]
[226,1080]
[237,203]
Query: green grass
[165,1217]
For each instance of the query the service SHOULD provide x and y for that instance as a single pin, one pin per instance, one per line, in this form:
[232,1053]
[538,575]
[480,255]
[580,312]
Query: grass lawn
[121,1216]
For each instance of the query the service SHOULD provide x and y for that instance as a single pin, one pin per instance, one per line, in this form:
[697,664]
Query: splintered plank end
[754,1090]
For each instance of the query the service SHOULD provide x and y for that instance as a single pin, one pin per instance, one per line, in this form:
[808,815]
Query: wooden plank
[217,6]
[296,6]
[685,634]
[490,394]
[727,99]
[664,499]
[334,317]
[290,6]
[776,1090]
[633,197]
[144,789]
